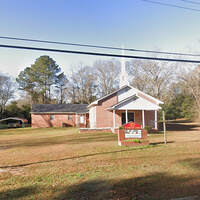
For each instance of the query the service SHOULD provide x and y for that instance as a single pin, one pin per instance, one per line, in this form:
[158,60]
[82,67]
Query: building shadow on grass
[156,186]
[18,193]
[81,156]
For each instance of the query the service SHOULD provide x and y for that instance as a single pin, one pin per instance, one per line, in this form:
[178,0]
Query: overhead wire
[191,2]
[100,54]
[98,46]
[171,5]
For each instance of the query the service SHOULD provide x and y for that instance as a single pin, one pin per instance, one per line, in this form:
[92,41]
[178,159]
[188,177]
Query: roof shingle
[59,108]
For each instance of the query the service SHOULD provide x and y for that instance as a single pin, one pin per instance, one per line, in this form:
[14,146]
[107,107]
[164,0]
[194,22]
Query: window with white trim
[51,117]
[82,119]
[130,115]
[70,117]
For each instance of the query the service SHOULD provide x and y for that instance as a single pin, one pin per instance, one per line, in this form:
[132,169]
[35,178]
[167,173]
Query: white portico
[133,105]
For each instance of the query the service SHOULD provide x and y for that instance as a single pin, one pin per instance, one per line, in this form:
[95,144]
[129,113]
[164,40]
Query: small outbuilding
[14,122]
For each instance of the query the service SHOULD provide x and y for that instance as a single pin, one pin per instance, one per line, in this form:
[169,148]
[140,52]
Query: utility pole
[164,127]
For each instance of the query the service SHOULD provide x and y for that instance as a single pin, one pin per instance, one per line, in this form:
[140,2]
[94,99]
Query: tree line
[45,83]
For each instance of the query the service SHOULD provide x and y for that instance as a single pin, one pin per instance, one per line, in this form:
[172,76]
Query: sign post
[118,138]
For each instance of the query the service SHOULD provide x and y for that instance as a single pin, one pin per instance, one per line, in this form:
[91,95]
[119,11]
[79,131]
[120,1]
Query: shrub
[148,128]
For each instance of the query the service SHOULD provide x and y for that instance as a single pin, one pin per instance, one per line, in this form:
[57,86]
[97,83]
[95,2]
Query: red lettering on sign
[132,125]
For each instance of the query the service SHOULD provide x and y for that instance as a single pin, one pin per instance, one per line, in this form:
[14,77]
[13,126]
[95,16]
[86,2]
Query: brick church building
[109,112]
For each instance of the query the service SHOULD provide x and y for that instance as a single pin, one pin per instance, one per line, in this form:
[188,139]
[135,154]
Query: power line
[192,2]
[171,5]
[99,54]
[98,46]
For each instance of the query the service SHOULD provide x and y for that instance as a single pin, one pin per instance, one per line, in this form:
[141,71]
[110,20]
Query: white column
[143,119]
[76,120]
[126,116]
[114,123]
[156,119]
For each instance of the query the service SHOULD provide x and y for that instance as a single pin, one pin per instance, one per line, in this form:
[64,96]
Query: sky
[128,23]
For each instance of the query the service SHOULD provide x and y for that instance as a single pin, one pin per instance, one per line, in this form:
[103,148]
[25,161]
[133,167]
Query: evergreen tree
[39,79]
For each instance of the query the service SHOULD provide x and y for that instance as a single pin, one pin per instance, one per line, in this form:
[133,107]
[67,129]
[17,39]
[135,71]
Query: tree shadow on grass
[18,193]
[193,163]
[180,121]
[156,186]
[81,156]
[180,126]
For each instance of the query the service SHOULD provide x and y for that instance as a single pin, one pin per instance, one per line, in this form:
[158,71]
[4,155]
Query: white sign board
[133,133]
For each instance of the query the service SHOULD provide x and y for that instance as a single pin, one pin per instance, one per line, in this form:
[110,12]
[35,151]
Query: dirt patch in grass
[14,171]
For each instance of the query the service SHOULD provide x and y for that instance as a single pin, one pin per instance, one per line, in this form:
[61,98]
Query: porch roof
[134,103]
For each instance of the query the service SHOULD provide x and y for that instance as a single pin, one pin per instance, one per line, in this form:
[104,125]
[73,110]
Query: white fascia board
[157,100]
[82,113]
[157,109]
[137,104]
[94,103]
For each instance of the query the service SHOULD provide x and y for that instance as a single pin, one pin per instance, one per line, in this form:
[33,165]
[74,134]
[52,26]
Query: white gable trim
[138,103]
[156,100]
[117,91]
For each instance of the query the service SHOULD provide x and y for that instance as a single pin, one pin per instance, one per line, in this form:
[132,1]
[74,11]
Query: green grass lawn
[61,163]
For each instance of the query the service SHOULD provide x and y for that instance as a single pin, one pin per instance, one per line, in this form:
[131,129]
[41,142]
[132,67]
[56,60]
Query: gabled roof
[59,108]
[134,97]
[153,98]
[130,87]
[96,102]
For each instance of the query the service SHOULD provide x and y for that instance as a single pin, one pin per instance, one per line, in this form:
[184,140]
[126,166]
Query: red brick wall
[149,118]
[107,118]
[138,117]
[104,117]
[43,120]
[118,120]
